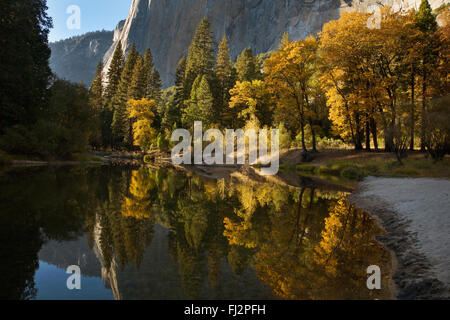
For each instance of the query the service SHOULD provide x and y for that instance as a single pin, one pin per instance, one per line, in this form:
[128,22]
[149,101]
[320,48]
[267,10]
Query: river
[141,233]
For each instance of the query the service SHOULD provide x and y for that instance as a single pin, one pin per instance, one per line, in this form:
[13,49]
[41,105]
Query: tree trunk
[367,134]
[313,133]
[373,127]
[389,139]
[303,136]
[358,136]
[411,146]
[424,108]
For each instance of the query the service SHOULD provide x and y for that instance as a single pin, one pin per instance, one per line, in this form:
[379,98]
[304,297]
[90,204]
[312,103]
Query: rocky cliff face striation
[76,58]
[167,26]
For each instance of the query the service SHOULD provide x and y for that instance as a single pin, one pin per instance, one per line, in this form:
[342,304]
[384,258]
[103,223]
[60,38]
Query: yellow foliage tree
[142,113]
[290,71]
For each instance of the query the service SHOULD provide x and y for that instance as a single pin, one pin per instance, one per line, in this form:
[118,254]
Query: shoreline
[412,211]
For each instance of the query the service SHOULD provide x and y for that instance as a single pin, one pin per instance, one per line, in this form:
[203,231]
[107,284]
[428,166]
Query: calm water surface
[162,234]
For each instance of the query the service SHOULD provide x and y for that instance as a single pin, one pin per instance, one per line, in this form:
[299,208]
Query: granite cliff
[76,58]
[167,26]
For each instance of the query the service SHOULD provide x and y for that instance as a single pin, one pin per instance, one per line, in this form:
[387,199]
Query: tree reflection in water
[302,243]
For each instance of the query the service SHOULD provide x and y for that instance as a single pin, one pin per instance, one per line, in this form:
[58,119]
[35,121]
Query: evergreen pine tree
[148,71]
[224,74]
[200,106]
[96,102]
[247,66]
[114,73]
[155,86]
[181,93]
[138,84]
[180,96]
[96,90]
[429,41]
[155,94]
[425,19]
[200,59]
[121,125]
[24,54]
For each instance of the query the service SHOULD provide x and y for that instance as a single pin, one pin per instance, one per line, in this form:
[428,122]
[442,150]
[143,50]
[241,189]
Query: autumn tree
[142,112]
[289,73]
[250,102]
[344,59]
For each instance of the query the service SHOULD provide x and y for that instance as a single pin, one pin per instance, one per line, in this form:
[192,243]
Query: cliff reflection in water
[169,235]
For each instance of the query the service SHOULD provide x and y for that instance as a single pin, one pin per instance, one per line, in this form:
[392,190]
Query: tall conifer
[114,73]
[200,59]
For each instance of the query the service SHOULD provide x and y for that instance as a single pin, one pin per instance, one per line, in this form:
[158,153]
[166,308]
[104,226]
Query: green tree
[137,89]
[149,66]
[180,95]
[224,75]
[97,104]
[426,20]
[121,125]
[200,59]
[428,44]
[24,54]
[247,66]
[200,106]
[155,83]
[114,72]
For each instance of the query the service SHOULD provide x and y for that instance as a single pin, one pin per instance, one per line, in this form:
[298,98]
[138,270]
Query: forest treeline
[358,81]
[372,84]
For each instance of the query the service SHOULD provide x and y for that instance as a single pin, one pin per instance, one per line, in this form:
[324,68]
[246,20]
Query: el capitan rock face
[167,26]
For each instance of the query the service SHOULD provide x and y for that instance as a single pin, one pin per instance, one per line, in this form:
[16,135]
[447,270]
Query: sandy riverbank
[416,216]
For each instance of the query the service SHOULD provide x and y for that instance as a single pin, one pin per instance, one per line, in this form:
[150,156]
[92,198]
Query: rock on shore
[416,216]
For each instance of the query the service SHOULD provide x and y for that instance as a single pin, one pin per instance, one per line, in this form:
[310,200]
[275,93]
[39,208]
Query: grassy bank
[7,159]
[357,168]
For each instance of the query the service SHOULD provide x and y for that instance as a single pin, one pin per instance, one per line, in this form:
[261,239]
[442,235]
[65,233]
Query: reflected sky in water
[138,233]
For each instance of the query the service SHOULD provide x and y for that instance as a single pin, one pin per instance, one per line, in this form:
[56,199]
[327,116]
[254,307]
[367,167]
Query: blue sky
[95,15]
